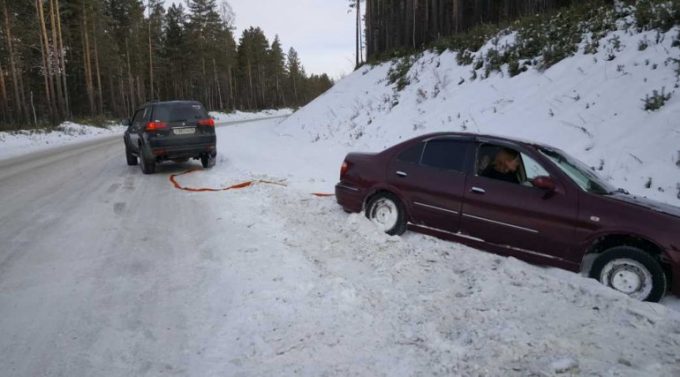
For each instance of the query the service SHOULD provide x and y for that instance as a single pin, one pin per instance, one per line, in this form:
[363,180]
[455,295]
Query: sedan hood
[648,203]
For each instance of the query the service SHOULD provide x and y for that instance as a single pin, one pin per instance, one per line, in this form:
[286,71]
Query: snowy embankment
[588,105]
[321,292]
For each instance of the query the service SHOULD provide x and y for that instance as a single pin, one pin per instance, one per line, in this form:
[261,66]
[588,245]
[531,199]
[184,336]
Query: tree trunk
[59,93]
[87,60]
[62,61]
[21,110]
[100,108]
[150,60]
[47,69]
[3,96]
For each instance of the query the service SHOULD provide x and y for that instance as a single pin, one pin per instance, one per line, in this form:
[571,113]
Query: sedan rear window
[179,112]
[445,154]
[412,154]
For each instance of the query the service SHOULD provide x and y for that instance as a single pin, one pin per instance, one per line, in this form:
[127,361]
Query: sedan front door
[529,222]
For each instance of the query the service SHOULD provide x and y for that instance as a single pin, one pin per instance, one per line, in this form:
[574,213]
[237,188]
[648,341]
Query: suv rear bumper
[192,147]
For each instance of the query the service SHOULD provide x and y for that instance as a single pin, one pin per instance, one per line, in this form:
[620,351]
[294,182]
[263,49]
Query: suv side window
[138,119]
[447,154]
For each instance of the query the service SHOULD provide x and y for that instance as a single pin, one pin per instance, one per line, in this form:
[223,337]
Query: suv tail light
[210,122]
[155,126]
[344,168]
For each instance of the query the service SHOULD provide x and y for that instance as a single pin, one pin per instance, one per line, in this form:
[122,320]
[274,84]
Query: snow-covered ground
[271,280]
[329,293]
[243,115]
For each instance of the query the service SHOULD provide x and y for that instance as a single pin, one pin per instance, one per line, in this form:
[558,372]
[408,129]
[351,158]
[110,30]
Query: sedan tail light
[155,126]
[344,168]
[207,122]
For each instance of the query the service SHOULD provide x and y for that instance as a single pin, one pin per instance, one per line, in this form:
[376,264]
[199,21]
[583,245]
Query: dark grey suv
[173,130]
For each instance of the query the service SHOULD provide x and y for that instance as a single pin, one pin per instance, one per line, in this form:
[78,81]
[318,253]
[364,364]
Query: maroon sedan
[526,200]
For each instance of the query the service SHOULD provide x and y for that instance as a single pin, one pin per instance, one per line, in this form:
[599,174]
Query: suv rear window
[179,112]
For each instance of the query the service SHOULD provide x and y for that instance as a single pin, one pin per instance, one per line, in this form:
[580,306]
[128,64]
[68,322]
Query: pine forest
[100,59]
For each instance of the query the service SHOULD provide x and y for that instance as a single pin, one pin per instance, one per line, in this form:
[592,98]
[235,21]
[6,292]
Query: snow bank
[326,293]
[242,115]
[589,105]
[16,143]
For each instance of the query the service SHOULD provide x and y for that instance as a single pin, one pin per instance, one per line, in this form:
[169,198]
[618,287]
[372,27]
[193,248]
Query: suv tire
[631,271]
[131,159]
[147,163]
[207,161]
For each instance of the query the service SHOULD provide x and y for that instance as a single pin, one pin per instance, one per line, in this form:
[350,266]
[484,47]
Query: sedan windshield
[584,177]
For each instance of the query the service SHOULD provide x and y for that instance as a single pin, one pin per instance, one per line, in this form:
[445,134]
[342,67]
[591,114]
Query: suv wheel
[131,159]
[386,211]
[147,163]
[631,271]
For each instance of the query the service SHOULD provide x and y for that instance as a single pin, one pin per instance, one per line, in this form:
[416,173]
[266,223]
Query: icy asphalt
[107,272]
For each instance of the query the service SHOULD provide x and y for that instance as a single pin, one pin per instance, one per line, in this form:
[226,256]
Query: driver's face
[512,165]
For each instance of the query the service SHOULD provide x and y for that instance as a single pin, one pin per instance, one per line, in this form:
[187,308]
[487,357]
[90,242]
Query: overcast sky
[322,31]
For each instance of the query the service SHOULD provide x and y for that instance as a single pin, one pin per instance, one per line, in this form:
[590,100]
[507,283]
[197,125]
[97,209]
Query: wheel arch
[606,241]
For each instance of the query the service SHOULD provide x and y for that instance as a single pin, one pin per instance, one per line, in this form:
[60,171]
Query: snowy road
[107,272]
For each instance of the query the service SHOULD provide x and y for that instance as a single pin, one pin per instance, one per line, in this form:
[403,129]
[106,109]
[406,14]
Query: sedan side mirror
[544,183]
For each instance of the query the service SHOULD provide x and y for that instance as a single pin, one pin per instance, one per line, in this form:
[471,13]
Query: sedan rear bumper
[350,198]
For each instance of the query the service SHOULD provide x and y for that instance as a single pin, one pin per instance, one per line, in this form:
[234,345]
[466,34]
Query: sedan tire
[386,211]
[631,271]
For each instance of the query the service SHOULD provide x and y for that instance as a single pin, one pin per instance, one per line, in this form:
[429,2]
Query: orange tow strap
[232,187]
[205,189]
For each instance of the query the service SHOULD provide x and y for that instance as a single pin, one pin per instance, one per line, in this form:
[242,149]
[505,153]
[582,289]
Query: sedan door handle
[478,190]
[401,173]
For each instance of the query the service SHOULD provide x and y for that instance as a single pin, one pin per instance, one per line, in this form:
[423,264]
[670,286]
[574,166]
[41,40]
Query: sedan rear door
[430,175]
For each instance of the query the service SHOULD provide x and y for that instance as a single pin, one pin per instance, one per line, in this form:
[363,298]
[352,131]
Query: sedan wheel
[386,211]
[630,271]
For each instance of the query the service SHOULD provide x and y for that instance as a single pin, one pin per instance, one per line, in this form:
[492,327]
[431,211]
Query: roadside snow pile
[21,142]
[326,293]
[591,105]
[243,115]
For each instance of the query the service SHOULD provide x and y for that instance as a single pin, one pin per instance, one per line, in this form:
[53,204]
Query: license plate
[184,131]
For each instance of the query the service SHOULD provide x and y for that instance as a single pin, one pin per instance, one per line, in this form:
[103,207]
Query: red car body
[557,224]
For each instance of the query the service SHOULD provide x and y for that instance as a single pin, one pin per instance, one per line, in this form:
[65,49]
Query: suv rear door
[431,177]
[138,125]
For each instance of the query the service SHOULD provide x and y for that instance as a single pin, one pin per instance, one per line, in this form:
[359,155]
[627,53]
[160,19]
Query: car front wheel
[631,271]
[386,211]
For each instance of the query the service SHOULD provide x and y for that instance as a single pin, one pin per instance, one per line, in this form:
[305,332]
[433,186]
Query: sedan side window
[532,168]
[445,154]
[412,154]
